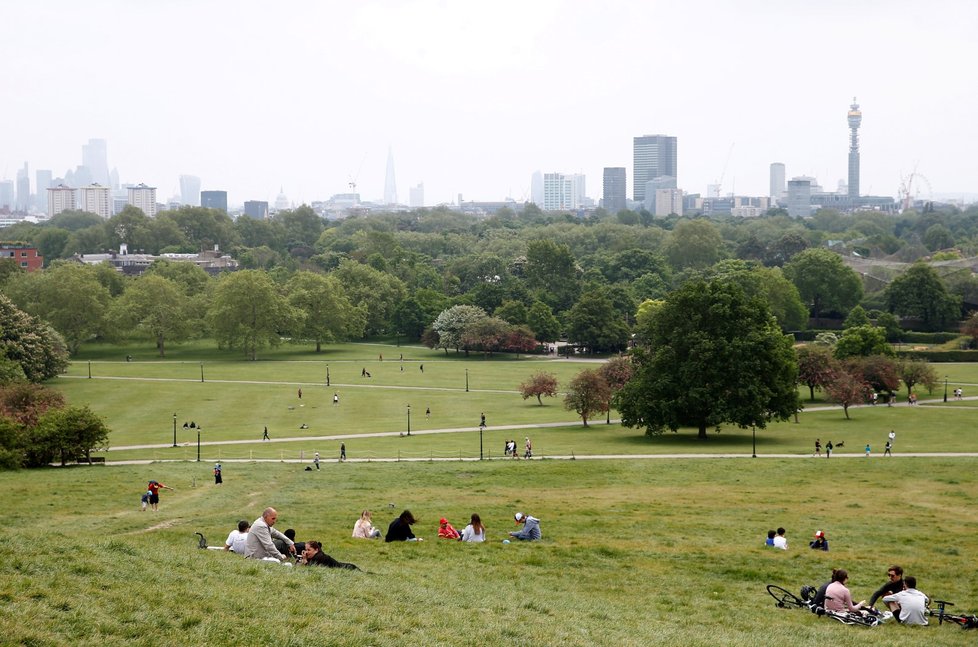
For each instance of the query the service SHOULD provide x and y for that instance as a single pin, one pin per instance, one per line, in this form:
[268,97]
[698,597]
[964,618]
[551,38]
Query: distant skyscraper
[562,191]
[777,180]
[799,202]
[190,190]
[668,202]
[42,183]
[615,188]
[416,196]
[143,197]
[23,189]
[96,199]
[390,184]
[8,199]
[855,119]
[536,189]
[60,198]
[257,209]
[95,159]
[653,156]
[214,200]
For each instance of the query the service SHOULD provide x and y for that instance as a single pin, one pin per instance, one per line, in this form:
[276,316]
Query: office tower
[143,197]
[777,180]
[190,190]
[799,202]
[536,189]
[615,187]
[562,191]
[60,198]
[390,185]
[214,200]
[416,196]
[668,202]
[257,209]
[96,199]
[7,198]
[95,159]
[23,189]
[42,183]
[855,119]
[653,156]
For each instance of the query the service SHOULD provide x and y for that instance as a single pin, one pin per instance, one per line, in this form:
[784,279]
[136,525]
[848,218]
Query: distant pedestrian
[342,451]
[300,392]
[818,447]
[402,357]
[144,500]
[265,436]
[217,474]
[421,366]
[886,449]
[867,450]
[363,372]
[336,399]
[381,356]
[154,488]
[828,449]
[529,449]
[427,413]
[482,420]
[891,436]
[315,460]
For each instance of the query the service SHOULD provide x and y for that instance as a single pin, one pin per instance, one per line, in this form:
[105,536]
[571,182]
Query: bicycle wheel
[784,598]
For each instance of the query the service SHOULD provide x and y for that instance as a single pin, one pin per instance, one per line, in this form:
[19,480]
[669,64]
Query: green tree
[302,226]
[913,372]
[551,270]
[921,294]
[714,356]
[857,317]
[594,323]
[695,244]
[512,311]
[487,335]
[328,313]
[542,322]
[247,312]
[823,281]
[156,307]
[587,394]
[862,341]
[65,434]
[378,291]
[450,325]
[30,344]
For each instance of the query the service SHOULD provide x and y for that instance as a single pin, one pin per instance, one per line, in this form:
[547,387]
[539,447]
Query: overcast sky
[474,96]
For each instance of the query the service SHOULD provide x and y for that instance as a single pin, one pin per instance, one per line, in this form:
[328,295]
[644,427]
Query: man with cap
[820,542]
[531,527]
[446,531]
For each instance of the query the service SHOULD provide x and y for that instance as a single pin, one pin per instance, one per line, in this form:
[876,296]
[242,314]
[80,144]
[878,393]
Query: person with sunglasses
[894,584]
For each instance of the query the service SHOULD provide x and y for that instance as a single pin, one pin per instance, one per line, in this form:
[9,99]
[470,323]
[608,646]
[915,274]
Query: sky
[472,97]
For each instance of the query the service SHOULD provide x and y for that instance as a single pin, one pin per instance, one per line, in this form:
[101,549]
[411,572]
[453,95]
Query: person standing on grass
[336,398]
[217,474]
[259,543]
[300,392]
[342,451]
[154,488]
[427,413]
[886,449]
[315,460]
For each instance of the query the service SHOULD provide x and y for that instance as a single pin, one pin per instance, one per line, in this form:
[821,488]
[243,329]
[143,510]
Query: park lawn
[634,553]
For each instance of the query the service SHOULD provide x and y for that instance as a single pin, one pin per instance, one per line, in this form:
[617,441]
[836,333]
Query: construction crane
[353,180]
[723,173]
[907,187]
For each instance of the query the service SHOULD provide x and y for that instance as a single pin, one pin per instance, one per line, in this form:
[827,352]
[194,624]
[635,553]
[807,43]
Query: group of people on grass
[904,602]
[778,539]
[261,540]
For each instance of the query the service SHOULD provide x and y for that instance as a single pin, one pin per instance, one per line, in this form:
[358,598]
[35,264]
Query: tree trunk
[702,434]
[811,393]
[845,409]
[319,346]
[159,344]
[539,401]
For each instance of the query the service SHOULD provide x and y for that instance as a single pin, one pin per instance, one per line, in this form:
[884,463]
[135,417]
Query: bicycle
[962,620]
[785,599]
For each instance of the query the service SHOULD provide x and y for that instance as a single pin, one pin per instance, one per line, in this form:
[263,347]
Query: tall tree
[247,312]
[714,356]
[816,367]
[450,325]
[914,372]
[594,323]
[847,389]
[824,281]
[694,244]
[329,314]
[542,322]
[920,293]
[156,307]
[862,341]
[378,291]
[38,351]
[587,394]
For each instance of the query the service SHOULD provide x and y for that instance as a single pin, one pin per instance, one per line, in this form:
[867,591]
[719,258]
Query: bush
[937,356]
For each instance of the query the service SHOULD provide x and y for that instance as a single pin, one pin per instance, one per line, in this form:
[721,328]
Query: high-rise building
[60,198]
[214,200]
[416,196]
[777,181]
[615,189]
[95,159]
[8,200]
[42,183]
[390,184]
[190,190]
[536,189]
[23,189]
[799,201]
[562,191]
[96,199]
[653,156]
[855,119]
[257,209]
[668,202]
[143,197]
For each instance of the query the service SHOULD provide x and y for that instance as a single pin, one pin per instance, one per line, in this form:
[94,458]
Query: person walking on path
[828,449]
[315,460]
[427,413]
[818,447]
[867,450]
[482,420]
[886,449]
[300,392]
[529,448]
[265,436]
[342,451]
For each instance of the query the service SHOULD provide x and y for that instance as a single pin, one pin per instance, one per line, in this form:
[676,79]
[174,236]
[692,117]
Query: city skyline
[456,92]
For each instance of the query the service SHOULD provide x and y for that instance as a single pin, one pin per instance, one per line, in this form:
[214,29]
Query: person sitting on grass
[780,541]
[911,604]
[238,538]
[894,584]
[364,527]
[770,537]
[259,543]
[400,528]
[837,595]
[474,532]
[820,542]
[446,530]
[313,555]
[531,528]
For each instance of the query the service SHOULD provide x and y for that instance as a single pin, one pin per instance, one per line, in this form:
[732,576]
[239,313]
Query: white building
[61,198]
[668,201]
[143,197]
[416,196]
[96,199]
[562,191]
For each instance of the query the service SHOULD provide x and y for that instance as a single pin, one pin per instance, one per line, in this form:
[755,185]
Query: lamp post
[201,371]
[174,429]
[466,380]
[945,388]
[198,443]
[409,419]
[482,428]
[753,435]
[327,375]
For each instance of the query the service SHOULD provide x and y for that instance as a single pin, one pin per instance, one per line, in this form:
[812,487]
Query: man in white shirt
[237,539]
[780,541]
[913,603]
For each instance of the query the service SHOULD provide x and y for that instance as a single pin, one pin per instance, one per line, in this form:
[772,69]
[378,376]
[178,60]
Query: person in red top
[154,488]
[446,531]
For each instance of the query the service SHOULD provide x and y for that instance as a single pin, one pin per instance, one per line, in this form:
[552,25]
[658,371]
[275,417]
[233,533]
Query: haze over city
[472,98]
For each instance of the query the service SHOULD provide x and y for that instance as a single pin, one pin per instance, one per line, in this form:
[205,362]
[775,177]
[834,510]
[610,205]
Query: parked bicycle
[785,599]
[962,620]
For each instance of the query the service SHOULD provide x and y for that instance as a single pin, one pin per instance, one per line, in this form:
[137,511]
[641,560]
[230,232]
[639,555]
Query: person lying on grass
[313,555]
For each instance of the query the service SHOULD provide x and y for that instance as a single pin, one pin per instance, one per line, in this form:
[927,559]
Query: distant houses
[211,261]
